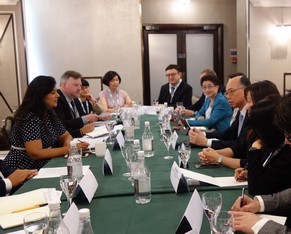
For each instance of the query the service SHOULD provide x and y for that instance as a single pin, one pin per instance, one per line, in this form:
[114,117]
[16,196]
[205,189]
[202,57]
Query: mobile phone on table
[205,166]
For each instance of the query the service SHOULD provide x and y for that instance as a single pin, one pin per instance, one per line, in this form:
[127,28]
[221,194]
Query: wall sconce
[282,31]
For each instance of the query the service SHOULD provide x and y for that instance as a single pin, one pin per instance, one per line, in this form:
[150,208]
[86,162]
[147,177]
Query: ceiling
[256,3]
[271,3]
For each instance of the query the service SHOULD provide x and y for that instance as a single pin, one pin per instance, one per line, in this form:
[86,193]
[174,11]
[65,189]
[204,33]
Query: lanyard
[115,102]
[273,155]
[85,105]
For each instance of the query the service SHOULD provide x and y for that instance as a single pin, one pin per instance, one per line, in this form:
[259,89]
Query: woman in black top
[269,158]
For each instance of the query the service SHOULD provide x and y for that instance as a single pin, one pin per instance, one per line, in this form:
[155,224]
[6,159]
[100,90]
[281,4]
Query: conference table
[113,208]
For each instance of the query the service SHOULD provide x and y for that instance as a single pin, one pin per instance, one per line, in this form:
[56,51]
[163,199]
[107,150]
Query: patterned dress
[33,128]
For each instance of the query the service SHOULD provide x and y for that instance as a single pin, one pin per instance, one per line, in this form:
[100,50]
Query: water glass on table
[35,223]
[184,154]
[212,202]
[68,185]
[167,136]
[223,223]
[110,127]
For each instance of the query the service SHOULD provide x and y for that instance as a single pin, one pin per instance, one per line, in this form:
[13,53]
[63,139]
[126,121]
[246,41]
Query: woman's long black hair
[33,101]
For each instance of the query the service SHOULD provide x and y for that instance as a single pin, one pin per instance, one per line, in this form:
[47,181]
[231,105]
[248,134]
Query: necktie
[172,93]
[234,116]
[240,123]
[74,110]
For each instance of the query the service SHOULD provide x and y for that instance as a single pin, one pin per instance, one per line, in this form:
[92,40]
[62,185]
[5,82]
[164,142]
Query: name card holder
[178,180]
[107,168]
[86,187]
[192,219]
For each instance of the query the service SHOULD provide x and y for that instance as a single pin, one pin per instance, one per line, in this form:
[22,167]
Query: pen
[242,197]
[81,141]
[246,166]
[30,208]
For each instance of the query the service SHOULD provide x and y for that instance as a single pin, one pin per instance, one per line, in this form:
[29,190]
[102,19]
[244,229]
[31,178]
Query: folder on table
[15,207]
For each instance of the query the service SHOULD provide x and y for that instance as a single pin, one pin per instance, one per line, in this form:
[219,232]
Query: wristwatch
[219,159]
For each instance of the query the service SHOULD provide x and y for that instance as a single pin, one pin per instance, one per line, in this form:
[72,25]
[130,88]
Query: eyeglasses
[288,136]
[208,87]
[171,74]
[231,91]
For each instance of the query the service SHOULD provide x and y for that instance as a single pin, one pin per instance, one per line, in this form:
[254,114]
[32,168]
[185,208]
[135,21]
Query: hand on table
[20,176]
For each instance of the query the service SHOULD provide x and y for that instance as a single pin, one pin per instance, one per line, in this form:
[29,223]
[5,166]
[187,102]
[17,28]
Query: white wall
[268,59]
[90,36]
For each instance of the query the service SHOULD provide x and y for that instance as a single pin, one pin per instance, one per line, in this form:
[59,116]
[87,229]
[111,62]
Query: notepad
[98,132]
[18,202]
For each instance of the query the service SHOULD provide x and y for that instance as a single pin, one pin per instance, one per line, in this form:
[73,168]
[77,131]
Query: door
[193,47]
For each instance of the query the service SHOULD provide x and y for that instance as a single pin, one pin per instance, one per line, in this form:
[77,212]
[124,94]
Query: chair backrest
[5,133]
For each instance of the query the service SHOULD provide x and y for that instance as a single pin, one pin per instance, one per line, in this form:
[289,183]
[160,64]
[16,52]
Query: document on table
[55,172]
[15,207]
[91,141]
[275,218]
[227,181]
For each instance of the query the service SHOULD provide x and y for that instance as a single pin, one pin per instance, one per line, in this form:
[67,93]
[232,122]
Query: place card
[174,139]
[71,219]
[192,219]
[120,139]
[178,180]
[86,187]
[107,168]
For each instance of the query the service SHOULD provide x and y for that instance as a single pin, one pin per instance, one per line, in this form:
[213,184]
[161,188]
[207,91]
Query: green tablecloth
[113,209]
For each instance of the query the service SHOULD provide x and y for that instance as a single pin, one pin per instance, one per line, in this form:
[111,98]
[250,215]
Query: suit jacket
[272,227]
[279,204]
[220,115]
[182,94]
[229,137]
[6,171]
[63,111]
[272,178]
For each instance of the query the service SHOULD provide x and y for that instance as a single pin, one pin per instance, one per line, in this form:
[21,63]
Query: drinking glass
[167,136]
[110,126]
[184,154]
[180,108]
[155,102]
[212,202]
[127,153]
[223,223]
[35,223]
[68,185]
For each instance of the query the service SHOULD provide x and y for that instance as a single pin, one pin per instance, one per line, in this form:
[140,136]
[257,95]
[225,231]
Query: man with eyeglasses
[235,96]
[176,90]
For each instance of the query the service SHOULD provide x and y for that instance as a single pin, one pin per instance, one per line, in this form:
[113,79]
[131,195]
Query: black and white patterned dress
[33,128]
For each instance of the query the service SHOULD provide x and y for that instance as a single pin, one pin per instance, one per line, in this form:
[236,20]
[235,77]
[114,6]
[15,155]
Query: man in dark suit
[176,90]
[219,140]
[11,179]
[75,120]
